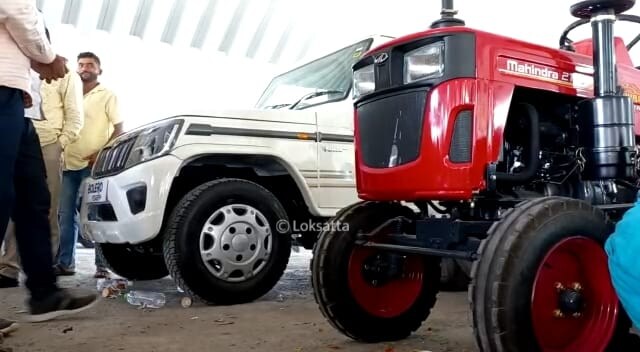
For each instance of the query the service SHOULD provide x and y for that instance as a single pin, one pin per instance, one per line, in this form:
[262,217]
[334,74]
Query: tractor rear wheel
[542,281]
[367,294]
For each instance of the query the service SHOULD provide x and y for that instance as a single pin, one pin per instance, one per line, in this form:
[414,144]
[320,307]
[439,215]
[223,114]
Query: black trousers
[24,195]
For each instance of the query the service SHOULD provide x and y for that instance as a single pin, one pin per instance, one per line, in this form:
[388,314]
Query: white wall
[541,22]
[154,80]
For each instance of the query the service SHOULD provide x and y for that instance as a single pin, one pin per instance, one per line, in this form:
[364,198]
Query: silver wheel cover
[235,242]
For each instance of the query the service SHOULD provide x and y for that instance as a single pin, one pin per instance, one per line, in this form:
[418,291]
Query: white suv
[212,198]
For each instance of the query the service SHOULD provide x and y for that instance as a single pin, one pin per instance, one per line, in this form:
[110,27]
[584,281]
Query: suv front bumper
[128,207]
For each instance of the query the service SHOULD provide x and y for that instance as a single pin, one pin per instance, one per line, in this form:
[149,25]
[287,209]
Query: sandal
[60,271]
[102,274]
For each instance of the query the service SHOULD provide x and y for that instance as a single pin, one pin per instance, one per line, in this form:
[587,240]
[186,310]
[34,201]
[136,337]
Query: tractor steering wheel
[566,43]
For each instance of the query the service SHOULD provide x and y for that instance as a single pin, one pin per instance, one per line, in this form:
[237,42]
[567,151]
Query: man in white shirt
[24,195]
[58,117]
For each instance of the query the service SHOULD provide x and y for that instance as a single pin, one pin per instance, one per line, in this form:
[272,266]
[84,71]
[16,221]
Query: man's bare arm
[118,129]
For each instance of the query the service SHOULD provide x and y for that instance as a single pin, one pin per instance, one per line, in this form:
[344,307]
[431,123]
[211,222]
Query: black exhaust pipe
[606,121]
[532,165]
[447,18]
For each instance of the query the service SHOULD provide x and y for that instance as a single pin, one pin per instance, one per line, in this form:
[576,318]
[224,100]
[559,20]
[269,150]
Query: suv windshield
[323,80]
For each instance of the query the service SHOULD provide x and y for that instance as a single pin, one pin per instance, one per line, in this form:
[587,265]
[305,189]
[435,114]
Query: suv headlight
[154,141]
[424,62]
[363,81]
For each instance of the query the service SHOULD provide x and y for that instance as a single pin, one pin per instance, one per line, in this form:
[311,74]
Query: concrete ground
[286,319]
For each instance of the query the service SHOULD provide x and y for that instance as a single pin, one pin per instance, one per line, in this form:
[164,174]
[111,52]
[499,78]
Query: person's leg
[100,264]
[102,272]
[71,180]
[9,260]
[11,127]
[31,218]
[52,155]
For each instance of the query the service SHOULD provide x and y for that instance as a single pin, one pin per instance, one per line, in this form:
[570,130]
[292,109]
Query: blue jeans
[70,194]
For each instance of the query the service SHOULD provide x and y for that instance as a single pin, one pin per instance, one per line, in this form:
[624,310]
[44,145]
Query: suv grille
[391,128]
[113,159]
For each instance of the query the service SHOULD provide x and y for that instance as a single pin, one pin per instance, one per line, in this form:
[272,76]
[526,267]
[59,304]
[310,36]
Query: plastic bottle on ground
[146,299]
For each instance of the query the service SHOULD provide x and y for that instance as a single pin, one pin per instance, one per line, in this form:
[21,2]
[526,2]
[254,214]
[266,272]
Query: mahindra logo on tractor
[531,69]
[537,71]
[575,80]
[380,58]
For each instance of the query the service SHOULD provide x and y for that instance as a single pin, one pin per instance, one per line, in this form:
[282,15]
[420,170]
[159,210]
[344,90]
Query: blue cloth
[623,249]
[67,214]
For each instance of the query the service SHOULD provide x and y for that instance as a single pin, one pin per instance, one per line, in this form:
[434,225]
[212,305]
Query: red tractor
[514,157]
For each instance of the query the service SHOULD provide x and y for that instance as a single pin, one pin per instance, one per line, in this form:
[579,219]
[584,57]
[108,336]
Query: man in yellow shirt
[102,122]
[58,118]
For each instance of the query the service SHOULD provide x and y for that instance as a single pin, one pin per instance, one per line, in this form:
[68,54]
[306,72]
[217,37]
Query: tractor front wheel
[367,294]
[542,281]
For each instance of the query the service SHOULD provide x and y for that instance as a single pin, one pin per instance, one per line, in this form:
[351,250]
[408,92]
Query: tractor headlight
[424,62]
[154,141]
[363,81]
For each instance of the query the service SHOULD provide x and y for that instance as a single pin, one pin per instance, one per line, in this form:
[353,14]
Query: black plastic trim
[331,137]
[101,212]
[461,145]
[137,199]
[199,129]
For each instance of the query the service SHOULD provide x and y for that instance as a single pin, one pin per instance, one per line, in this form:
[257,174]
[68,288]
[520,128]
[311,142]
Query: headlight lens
[154,141]
[424,62]
[363,81]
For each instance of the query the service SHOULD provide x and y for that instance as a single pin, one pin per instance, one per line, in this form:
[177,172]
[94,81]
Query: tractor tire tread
[331,309]
[502,240]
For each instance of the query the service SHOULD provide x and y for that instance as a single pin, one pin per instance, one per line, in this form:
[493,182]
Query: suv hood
[275,115]
[276,119]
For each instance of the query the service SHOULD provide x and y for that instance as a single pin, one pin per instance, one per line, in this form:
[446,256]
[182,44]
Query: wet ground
[286,319]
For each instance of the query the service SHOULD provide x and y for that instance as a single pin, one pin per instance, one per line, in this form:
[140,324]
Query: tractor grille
[461,141]
[390,129]
[113,159]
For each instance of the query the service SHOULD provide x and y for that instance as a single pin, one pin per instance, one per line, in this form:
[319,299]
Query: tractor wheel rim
[235,242]
[391,299]
[574,306]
